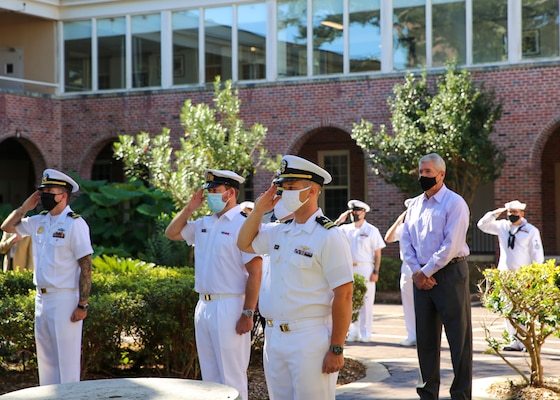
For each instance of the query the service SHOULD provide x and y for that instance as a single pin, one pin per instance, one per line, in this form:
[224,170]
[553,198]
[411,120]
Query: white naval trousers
[362,328]
[59,340]
[222,353]
[293,362]
[407,299]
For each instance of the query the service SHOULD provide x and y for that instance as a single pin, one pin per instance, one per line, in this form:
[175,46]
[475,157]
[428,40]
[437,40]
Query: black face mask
[48,201]
[514,218]
[427,183]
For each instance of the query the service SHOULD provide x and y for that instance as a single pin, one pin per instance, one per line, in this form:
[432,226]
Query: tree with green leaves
[530,300]
[455,121]
[214,138]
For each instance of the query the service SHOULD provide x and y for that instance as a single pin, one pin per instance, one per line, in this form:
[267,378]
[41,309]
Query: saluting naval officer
[366,244]
[226,279]
[62,257]
[520,244]
[310,285]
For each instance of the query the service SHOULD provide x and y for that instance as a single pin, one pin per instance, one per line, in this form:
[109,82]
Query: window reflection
[77,56]
[217,28]
[448,31]
[111,48]
[489,31]
[365,36]
[185,47]
[251,27]
[328,43]
[539,35]
[292,38]
[146,50]
[409,34]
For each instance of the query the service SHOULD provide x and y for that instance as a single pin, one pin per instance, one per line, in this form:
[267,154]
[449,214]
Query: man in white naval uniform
[520,244]
[394,234]
[62,257]
[366,244]
[311,285]
[226,279]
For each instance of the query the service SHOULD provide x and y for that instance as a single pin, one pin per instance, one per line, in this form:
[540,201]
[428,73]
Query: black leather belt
[456,260]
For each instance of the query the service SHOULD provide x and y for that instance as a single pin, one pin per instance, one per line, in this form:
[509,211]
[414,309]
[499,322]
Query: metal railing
[20,85]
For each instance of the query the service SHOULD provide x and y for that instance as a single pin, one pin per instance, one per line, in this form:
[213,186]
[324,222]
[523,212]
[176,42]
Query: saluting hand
[267,200]
[196,200]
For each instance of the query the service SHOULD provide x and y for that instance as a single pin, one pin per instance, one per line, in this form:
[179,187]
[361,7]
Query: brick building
[76,75]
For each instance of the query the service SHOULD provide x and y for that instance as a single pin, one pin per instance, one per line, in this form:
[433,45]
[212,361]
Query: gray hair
[436,159]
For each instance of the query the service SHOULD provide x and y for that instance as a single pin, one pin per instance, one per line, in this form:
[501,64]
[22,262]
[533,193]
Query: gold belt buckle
[207,297]
[269,322]
[284,327]
[43,290]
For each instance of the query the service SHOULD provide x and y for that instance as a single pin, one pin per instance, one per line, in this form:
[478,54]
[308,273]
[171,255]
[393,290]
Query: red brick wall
[68,133]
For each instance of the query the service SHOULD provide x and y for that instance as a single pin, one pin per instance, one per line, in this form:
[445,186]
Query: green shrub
[141,317]
[530,300]
[358,294]
[389,275]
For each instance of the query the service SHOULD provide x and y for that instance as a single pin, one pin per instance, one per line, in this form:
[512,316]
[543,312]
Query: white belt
[289,326]
[53,290]
[210,297]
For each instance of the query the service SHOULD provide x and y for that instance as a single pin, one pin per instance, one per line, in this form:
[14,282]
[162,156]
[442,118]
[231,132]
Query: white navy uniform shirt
[219,264]
[307,262]
[58,243]
[527,246]
[364,241]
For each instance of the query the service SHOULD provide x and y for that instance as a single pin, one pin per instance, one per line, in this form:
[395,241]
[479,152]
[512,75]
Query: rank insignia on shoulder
[74,215]
[325,222]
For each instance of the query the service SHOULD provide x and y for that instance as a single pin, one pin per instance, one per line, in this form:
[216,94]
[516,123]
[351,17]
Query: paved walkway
[393,370]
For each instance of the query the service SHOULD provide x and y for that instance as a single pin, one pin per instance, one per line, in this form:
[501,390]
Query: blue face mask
[215,202]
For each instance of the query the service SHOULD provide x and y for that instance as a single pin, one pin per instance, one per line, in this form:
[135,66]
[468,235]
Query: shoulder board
[243,213]
[73,215]
[44,212]
[325,222]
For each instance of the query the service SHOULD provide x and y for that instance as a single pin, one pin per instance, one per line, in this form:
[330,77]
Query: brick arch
[327,138]
[544,159]
[86,164]
[21,167]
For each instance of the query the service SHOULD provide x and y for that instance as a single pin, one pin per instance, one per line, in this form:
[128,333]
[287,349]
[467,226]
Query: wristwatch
[83,307]
[336,349]
[248,313]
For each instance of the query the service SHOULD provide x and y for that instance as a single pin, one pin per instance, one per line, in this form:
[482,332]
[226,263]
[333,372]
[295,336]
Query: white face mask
[280,211]
[291,201]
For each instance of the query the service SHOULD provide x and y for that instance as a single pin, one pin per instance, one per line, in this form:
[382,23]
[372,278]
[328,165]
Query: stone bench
[129,389]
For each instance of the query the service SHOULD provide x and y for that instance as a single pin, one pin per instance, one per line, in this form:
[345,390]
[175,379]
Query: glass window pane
[111,46]
[328,43]
[251,33]
[77,56]
[448,31]
[185,46]
[337,192]
[292,38]
[489,31]
[539,37]
[365,35]
[146,50]
[409,34]
[217,26]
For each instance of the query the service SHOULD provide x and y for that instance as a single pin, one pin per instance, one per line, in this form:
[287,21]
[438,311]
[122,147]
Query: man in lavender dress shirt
[434,246]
